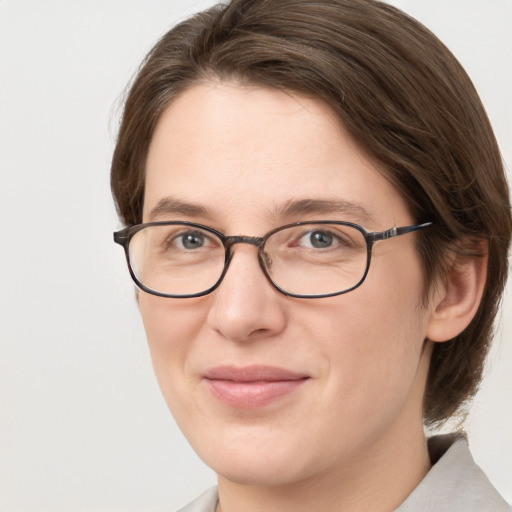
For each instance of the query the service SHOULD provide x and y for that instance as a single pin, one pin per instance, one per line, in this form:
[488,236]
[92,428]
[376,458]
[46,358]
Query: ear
[457,299]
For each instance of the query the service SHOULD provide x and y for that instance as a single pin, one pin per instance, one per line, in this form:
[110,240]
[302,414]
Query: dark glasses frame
[124,236]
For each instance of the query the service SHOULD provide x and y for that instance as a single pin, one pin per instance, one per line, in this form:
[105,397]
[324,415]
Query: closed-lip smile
[253,386]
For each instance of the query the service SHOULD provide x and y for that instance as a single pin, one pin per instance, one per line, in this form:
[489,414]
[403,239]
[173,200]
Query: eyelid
[175,232]
[324,231]
[191,230]
[296,237]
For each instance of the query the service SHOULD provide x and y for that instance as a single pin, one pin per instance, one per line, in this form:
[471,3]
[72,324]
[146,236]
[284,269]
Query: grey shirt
[453,484]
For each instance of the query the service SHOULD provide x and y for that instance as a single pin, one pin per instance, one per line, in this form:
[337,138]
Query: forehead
[252,151]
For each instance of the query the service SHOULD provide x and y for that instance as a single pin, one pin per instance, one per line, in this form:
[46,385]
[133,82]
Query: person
[318,222]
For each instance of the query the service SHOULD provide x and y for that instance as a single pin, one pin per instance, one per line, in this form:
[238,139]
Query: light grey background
[82,424]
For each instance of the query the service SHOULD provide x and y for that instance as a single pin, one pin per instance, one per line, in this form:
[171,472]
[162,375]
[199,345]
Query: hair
[402,96]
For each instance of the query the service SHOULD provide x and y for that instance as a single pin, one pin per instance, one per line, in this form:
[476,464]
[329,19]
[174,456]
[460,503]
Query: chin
[264,472]
[267,458]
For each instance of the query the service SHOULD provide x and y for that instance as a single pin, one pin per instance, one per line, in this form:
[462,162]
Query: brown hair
[400,93]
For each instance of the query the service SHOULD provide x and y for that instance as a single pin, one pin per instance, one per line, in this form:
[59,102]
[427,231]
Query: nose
[245,306]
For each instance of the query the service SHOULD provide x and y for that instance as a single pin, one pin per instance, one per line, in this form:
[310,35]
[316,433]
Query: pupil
[192,241]
[320,239]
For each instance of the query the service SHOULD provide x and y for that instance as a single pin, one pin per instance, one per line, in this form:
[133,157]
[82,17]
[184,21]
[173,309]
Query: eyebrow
[172,206]
[325,206]
[293,208]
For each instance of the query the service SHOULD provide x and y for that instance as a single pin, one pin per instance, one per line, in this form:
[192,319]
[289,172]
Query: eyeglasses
[306,259]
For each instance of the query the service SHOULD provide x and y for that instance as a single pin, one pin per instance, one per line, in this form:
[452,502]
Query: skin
[351,436]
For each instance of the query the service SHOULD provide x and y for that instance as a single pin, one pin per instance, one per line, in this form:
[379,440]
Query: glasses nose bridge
[257,241]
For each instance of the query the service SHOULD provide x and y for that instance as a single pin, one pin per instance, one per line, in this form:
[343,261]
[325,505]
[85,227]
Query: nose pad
[267,260]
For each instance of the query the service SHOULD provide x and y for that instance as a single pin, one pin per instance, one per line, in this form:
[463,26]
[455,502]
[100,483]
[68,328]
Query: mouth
[253,386]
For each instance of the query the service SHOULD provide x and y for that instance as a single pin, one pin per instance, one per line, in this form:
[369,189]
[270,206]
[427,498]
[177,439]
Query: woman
[268,153]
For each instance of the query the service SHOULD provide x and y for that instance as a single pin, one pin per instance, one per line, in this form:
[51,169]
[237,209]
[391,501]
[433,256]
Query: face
[271,389]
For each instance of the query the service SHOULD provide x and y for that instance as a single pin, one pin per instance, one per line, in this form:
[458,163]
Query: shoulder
[454,483]
[207,502]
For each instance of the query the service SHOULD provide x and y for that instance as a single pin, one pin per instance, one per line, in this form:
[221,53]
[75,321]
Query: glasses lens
[316,259]
[176,259]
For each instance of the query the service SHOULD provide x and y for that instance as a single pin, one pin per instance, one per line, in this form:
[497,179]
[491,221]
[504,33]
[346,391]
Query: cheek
[368,344]
[171,327]
[373,339]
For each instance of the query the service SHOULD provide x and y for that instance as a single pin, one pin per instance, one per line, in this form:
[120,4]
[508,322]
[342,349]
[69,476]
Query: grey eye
[320,239]
[191,240]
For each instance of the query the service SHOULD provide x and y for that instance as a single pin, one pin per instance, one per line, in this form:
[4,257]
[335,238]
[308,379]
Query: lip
[251,387]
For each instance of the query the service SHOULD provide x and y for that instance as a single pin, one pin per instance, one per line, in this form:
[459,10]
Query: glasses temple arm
[396,231]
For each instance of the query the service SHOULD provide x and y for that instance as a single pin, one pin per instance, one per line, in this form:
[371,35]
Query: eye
[190,240]
[319,239]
